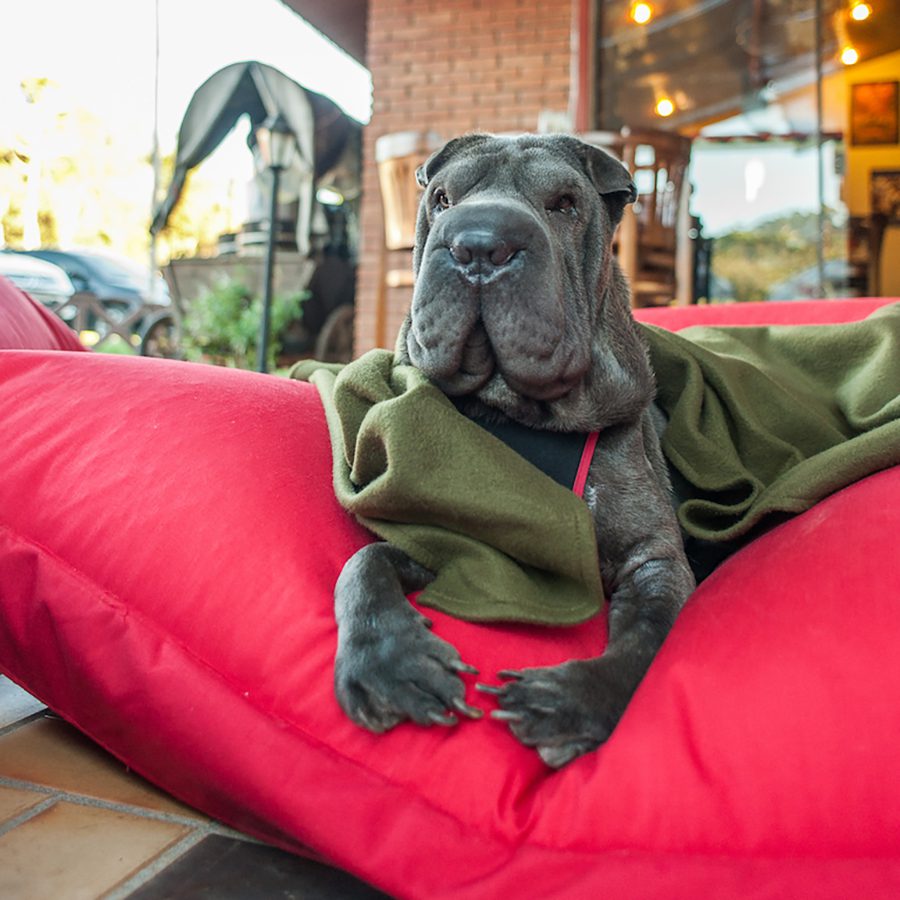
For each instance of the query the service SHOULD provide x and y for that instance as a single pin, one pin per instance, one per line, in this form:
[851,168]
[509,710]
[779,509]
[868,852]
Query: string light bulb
[849,55]
[665,106]
[861,11]
[641,12]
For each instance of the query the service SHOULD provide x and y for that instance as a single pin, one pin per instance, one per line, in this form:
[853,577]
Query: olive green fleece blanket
[507,543]
[762,420]
[771,419]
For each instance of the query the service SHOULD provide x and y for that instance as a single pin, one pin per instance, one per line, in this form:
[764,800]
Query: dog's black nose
[481,247]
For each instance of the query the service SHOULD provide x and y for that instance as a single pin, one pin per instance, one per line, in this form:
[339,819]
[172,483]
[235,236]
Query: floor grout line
[159,864]
[25,720]
[142,812]
[198,829]
[28,814]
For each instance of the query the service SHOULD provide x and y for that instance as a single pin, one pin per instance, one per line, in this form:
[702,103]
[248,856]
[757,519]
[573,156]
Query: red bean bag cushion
[168,546]
[25,323]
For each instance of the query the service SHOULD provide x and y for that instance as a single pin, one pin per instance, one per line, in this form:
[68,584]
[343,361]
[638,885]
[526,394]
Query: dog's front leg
[389,666]
[564,711]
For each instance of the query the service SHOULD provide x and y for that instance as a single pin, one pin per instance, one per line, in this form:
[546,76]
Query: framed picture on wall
[875,113]
[885,185]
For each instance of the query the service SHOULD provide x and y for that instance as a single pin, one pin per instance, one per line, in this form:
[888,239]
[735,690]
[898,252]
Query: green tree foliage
[65,179]
[752,260]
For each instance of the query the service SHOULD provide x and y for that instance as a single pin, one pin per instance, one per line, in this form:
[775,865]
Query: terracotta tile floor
[75,823]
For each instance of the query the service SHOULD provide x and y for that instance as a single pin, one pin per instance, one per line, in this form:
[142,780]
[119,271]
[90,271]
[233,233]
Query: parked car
[805,285]
[43,280]
[119,284]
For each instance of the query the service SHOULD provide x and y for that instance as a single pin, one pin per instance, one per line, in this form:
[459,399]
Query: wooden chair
[397,156]
[652,244]
[884,233]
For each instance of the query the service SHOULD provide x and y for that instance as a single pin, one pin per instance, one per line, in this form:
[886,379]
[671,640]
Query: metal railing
[100,322]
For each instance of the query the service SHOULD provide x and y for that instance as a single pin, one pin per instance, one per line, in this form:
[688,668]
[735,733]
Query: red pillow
[26,323]
[794,312]
[168,547]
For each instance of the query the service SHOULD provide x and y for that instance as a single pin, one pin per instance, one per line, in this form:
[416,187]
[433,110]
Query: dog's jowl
[520,313]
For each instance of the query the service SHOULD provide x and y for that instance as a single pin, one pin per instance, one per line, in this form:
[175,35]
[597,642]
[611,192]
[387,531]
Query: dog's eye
[440,200]
[564,203]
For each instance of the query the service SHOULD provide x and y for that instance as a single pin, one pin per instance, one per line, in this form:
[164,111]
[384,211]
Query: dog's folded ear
[612,180]
[427,170]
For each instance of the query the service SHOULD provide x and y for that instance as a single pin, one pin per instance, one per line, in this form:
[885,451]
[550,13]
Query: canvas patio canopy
[321,128]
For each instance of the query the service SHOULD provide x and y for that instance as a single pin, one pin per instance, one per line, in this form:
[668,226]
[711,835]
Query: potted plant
[222,325]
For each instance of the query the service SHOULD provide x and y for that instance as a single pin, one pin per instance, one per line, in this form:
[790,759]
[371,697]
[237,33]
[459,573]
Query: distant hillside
[747,263]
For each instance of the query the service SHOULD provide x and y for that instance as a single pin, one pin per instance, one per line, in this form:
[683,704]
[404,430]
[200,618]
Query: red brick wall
[452,66]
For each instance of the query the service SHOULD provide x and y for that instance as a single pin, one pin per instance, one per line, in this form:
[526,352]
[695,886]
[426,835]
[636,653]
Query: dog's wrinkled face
[513,246]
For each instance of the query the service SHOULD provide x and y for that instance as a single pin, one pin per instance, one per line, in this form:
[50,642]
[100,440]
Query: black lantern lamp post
[276,147]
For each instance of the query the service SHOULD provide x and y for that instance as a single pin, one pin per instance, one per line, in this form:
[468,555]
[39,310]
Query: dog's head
[513,263]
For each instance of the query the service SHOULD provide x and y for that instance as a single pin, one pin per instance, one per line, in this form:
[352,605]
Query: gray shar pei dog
[520,309]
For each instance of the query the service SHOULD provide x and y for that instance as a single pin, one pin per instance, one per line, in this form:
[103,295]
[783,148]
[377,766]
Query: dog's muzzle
[481,255]
[489,301]
[487,241]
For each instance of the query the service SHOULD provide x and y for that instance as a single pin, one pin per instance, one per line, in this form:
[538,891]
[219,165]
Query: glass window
[792,107]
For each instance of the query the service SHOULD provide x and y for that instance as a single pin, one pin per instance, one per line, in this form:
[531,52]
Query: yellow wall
[862,160]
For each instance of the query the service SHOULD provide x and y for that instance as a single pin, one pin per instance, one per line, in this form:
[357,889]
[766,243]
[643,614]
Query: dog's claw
[446,719]
[505,715]
[488,688]
[371,724]
[473,712]
[511,673]
[459,666]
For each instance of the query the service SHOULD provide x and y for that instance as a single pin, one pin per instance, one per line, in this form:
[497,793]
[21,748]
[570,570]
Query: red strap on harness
[586,456]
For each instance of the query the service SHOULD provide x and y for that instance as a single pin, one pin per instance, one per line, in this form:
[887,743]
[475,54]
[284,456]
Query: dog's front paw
[562,711]
[400,671]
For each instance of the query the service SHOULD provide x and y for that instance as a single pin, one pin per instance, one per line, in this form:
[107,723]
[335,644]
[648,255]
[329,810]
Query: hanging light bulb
[849,55]
[665,106]
[861,11]
[641,12]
